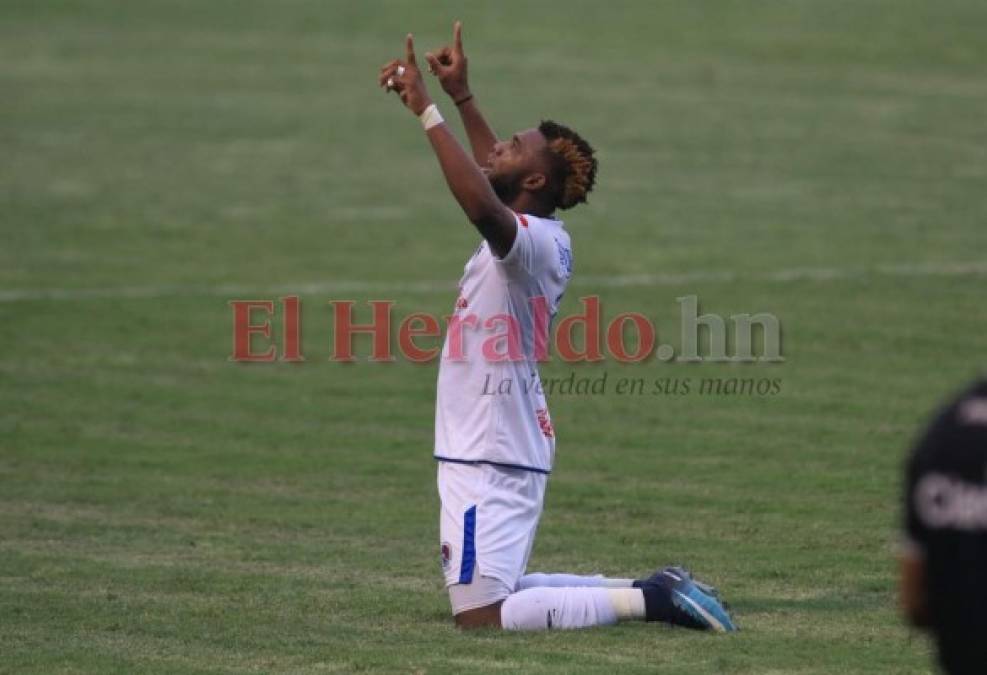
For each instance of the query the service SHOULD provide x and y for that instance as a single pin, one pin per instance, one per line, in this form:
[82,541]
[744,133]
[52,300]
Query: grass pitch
[165,510]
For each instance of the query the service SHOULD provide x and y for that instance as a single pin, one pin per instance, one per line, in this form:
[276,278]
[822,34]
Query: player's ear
[534,182]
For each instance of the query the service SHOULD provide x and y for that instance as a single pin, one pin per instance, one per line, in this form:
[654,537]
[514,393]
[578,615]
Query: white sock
[539,579]
[628,603]
[564,608]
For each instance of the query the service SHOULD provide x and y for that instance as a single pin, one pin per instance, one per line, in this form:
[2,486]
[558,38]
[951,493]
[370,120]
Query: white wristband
[430,117]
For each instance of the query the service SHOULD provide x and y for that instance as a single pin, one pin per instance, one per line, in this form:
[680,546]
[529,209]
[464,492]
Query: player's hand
[449,65]
[409,85]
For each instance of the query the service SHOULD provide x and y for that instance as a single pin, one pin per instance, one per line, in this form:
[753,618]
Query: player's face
[513,160]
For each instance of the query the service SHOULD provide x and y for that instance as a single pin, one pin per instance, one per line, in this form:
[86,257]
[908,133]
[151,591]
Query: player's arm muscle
[473,192]
[482,138]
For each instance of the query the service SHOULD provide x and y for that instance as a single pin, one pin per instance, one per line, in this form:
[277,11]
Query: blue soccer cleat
[705,588]
[673,596]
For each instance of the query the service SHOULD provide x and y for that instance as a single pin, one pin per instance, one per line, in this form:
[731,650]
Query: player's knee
[480,617]
[477,604]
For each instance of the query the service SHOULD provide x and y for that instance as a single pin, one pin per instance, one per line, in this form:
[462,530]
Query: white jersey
[490,407]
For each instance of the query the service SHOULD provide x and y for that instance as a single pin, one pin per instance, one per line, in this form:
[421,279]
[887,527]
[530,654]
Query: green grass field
[165,510]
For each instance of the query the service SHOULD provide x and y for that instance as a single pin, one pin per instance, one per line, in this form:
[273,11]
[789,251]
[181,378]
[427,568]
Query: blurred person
[944,555]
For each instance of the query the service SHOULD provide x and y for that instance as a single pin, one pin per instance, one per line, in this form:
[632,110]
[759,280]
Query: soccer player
[494,439]
[944,560]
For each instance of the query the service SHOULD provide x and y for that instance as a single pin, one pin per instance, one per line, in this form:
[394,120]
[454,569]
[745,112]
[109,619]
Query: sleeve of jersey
[528,252]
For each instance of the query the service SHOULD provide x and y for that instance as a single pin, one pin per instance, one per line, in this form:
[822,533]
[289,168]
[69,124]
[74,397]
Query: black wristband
[464,100]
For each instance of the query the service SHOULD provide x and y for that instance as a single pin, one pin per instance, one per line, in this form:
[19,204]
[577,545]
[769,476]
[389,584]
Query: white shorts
[488,521]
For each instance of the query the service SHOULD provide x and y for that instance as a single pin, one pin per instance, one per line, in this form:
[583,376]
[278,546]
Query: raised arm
[466,182]
[449,64]
[473,192]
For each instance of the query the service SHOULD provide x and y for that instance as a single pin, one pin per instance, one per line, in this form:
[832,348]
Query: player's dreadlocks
[573,163]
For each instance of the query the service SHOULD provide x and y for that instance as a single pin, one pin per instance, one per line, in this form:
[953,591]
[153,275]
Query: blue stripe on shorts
[469,546]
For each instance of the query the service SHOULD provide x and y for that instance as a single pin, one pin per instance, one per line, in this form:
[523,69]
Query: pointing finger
[410,44]
[457,34]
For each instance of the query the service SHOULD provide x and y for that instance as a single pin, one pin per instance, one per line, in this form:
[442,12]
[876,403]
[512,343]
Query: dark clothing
[946,521]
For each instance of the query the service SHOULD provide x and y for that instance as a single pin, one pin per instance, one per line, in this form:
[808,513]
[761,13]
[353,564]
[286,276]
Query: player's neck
[526,203]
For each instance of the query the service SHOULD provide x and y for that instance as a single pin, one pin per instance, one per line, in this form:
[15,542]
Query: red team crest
[446,553]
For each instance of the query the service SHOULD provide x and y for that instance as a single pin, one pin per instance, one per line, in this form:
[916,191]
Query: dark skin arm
[449,64]
[912,581]
[473,192]
[481,136]
[466,182]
